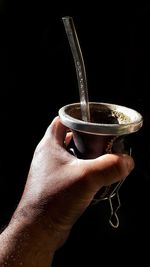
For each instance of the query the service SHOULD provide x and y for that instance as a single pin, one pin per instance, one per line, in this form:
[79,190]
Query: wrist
[25,243]
[36,223]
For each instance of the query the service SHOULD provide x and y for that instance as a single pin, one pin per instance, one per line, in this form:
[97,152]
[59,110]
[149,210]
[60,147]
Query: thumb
[108,169]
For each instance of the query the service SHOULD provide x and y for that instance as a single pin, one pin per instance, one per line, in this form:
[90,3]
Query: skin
[58,189]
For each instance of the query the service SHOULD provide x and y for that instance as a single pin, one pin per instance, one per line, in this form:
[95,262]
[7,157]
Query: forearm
[27,242]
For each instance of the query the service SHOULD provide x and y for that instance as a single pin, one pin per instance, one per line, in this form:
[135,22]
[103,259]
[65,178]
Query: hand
[60,186]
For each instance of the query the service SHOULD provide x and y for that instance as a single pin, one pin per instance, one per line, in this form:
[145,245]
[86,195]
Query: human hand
[60,186]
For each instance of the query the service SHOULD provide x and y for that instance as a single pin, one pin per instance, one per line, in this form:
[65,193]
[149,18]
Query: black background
[38,77]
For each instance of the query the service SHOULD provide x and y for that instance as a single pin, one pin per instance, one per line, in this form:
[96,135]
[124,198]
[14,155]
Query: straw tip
[66,18]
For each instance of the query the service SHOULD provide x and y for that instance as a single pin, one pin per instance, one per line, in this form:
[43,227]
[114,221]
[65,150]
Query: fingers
[57,131]
[68,138]
[102,171]
[108,169]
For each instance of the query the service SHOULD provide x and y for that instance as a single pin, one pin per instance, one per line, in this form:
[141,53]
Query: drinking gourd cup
[105,133]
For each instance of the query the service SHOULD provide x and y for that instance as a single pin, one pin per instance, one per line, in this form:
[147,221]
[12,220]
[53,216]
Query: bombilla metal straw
[80,67]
